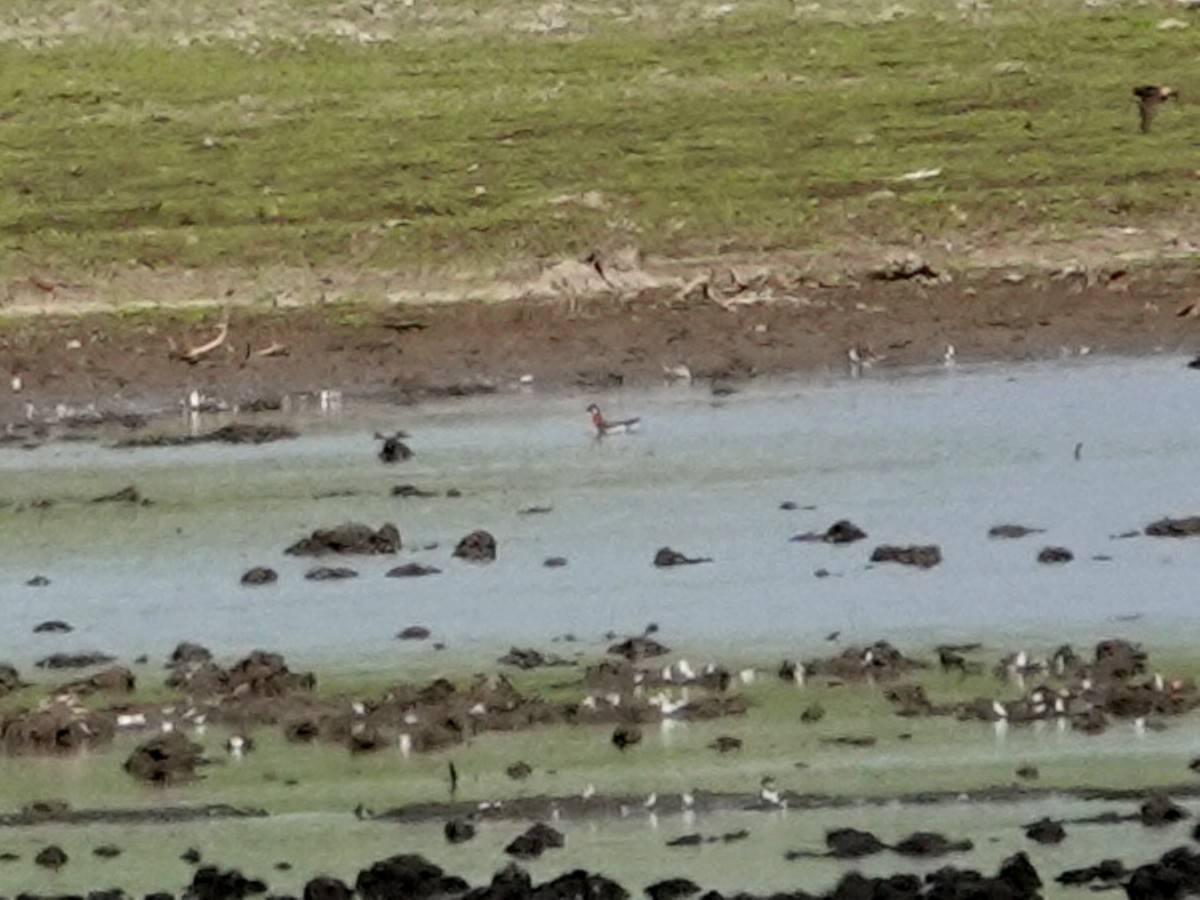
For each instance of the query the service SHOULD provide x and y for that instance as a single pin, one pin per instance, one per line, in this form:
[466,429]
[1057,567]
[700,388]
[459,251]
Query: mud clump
[535,841]
[259,575]
[412,570]
[929,844]
[528,658]
[351,538]
[1186,527]
[74,660]
[327,573]
[672,889]
[478,546]
[850,843]
[1160,810]
[842,531]
[128,494]
[59,728]
[234,433]
[458,831]
[638,648]
[52,857]
[52,626]
[924,556]
[114,680]
[1046,831]
[406,875]
[210,883]
[1055,555]
[665,558]
[167,759]
[1012,532]
[325,887]
[10,679]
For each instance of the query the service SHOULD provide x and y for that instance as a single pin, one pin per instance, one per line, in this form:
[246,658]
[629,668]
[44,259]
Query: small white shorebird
[604,427]
[769,794]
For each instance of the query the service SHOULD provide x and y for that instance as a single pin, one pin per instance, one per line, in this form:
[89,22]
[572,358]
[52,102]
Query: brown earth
[606,332]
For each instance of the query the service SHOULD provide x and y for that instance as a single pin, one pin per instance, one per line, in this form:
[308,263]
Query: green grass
[766,130]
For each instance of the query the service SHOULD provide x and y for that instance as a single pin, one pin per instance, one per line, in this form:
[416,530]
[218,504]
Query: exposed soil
[719,329]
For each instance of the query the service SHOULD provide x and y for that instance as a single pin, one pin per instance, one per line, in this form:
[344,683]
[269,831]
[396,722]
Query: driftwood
[193,355]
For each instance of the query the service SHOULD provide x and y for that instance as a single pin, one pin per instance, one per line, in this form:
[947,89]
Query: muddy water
[933,457]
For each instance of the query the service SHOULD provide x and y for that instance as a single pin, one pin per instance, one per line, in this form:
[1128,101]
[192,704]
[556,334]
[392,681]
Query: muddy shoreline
[720,330]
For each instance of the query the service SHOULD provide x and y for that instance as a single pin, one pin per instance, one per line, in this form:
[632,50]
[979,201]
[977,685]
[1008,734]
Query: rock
[1159,810]
[1030,773]
[458,831]
[478,546]
[260,575]
[535,841]
[911,267]
[636,649]
[412,570]
[394,449]
[925,557]
[52,857]
[665,557]
[73,660]
[672,889]
[328,573]
[850,843]
[107,851]
[1012,532]
[38,581]
[404,875]
[842,531]
[554,562]
[929,843]
[1187,527]
[167,759]
[624,736]
[414,633]
[1050,555]
[325,887]
[351,538]
[687,840]
[1046,831]
[191,856]
[52,626]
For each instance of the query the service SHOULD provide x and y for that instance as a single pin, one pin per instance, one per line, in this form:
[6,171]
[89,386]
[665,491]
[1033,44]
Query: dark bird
[394,449]
[626,736]
[1150,97]
[726,744]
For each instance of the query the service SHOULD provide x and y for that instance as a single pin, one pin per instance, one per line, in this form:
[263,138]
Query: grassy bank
[432,136]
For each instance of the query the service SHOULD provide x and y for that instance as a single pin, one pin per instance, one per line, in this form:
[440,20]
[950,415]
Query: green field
[448,135]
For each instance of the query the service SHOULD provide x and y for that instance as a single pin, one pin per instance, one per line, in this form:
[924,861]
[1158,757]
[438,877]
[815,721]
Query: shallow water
[934,457]
[632,850]
[922,457]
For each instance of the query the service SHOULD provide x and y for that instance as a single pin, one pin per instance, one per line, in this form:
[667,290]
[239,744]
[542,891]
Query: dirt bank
[725,327]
